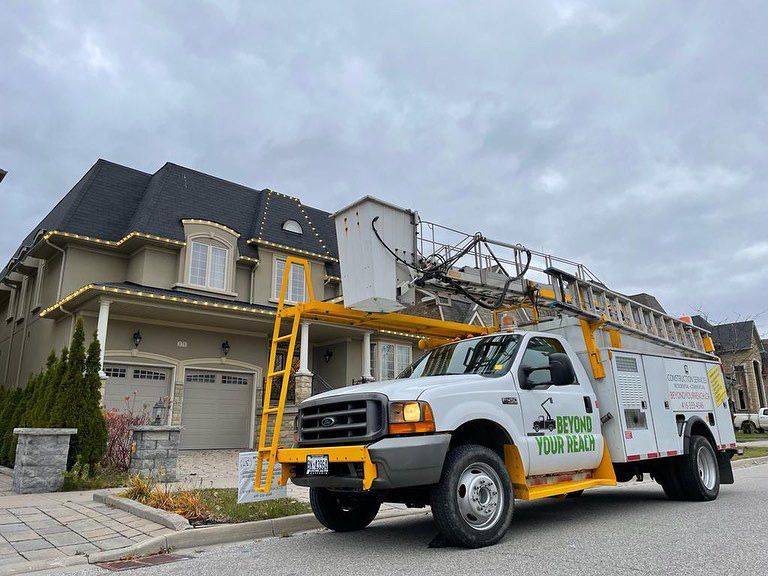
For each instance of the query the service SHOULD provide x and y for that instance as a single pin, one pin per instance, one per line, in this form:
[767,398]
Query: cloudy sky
[631,136]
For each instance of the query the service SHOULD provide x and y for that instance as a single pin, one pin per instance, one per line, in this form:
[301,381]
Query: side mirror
[527,383]
[561,370]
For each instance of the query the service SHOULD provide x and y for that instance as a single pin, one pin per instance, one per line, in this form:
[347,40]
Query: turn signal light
[410,418]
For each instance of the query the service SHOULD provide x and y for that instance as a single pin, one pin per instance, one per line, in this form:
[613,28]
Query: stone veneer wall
[155,451]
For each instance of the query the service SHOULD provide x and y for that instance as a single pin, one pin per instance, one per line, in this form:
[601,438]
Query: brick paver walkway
[65,528]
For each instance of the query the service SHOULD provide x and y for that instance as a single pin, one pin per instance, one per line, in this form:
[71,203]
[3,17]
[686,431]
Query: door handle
[588,404]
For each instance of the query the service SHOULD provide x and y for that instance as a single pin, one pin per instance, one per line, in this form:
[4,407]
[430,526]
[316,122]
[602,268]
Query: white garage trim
[255,371]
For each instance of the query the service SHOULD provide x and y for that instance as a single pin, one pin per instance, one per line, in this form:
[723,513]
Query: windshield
[489,356]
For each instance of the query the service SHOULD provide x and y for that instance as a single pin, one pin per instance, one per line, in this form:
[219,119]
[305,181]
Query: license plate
[317,465]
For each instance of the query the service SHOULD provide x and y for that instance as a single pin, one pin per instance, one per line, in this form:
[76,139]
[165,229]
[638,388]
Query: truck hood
[405,388]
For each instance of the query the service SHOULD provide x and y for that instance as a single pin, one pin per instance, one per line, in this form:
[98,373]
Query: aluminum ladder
[596,303]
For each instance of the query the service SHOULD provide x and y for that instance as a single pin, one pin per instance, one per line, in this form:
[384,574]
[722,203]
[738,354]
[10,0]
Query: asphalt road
[632,530]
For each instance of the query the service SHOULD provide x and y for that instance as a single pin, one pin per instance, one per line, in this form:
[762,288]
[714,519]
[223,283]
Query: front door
[561,425]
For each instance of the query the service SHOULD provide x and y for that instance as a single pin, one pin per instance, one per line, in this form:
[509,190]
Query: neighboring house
[741,351]
[179,272]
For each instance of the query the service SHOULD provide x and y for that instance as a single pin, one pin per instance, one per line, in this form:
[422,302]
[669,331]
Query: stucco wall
[85,266]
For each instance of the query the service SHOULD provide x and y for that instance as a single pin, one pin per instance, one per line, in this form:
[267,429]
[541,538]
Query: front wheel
[343,512]
[474,501]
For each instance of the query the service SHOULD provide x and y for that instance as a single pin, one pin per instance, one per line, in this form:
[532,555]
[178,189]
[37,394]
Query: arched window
[293,226]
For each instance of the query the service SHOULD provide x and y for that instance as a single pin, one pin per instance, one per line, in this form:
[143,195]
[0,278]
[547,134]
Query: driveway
[218,469]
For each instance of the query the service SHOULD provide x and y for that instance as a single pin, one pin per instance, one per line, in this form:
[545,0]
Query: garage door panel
[217,409]
[142,385]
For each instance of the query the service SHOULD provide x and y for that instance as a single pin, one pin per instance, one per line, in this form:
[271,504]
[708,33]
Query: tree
[93,439]
[39,415]
[6,422]
[78,402]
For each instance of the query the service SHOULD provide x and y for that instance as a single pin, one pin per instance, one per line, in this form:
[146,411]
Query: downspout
[23,336]
[61,272]
[58,290]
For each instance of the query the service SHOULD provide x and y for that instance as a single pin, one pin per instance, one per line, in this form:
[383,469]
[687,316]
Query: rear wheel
[473,503]
[698,471]
[343,512]
[748,428]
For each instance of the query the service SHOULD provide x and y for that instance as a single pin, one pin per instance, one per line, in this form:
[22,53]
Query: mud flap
[724,464]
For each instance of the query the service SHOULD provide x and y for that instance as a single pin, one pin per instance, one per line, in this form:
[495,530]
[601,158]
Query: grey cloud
[631,136]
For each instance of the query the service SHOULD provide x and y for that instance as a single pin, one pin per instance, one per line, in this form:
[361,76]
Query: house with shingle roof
[178,272]
[743,356]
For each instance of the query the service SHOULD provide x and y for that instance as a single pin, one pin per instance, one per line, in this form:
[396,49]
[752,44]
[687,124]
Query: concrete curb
[38,565]
[167,519]
[226,533]
[746,462]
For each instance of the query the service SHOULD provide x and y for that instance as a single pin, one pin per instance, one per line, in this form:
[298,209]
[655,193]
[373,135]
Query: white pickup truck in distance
[477,423]
[751,423]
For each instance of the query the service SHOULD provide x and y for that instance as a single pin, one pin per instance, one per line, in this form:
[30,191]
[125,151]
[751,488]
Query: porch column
[367,377]
[101,332]
[303,376]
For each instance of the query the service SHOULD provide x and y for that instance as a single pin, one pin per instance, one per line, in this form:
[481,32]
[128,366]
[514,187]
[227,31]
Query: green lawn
[752,453]
[102,480]
[741,437]
[224,507]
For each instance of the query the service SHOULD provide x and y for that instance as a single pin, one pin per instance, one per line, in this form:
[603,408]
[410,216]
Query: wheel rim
[705,461]
[480,496]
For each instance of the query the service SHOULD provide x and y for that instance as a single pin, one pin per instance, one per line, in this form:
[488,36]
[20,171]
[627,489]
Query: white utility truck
[576,387]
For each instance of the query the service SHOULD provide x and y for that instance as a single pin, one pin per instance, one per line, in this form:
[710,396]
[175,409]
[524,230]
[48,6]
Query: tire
[748,427]
[667,477]
[474,501]
[698,471]
[343,512]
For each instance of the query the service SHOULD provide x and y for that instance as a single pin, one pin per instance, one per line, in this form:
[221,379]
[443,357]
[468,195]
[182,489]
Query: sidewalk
[54,526]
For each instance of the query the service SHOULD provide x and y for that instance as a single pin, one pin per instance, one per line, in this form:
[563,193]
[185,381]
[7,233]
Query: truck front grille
[352,419]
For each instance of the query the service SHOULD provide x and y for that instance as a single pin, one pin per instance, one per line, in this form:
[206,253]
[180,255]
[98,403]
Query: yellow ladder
[272,416]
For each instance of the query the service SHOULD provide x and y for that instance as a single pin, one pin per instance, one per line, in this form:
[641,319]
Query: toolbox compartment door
[634,405]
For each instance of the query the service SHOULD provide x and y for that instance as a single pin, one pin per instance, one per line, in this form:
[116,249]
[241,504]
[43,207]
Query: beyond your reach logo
[573,434]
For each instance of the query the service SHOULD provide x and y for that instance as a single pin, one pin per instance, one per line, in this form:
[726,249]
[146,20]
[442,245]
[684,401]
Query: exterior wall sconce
[137,338]
[225,347]
[327,356]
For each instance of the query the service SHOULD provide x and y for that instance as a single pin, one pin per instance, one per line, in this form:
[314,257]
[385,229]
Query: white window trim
[378,364]
[208,267]
[276,288]
[288,226]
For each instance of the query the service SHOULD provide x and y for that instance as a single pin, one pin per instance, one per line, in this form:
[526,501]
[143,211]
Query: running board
[526,488]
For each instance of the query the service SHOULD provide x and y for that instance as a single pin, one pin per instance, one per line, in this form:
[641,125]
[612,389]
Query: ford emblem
[327,422]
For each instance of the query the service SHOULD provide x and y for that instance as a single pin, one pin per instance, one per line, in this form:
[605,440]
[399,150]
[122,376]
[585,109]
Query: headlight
[410,418]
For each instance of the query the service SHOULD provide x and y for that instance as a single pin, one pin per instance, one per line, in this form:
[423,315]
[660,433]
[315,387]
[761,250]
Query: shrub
[118,454]
[140,488]
[81,477]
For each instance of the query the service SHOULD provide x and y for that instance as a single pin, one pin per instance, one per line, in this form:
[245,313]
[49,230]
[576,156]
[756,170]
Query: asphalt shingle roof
[733,336]
[111,201]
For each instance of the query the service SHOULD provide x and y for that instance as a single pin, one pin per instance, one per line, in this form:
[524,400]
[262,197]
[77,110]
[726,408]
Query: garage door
[142,385]
[216,412]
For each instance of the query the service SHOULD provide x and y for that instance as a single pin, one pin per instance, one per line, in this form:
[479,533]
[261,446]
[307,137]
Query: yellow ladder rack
[269,436]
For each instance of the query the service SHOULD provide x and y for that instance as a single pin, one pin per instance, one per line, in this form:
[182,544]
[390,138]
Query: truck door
[561,425]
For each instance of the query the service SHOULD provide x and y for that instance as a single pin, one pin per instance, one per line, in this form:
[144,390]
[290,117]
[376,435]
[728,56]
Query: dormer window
[208,265]
[293,226]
